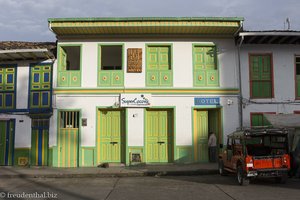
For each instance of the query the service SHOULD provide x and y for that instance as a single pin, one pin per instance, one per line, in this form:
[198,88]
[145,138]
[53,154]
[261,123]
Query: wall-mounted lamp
[229,102]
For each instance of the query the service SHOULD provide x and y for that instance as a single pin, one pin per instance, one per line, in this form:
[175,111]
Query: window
[7,87]
[69,119]
[206,73]
[40,86]
[261,78]
[110,70]
[159,65]
[258,119]
[69,65]
[297,76]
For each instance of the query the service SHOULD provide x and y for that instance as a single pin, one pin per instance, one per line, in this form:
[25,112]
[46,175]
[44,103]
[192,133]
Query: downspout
[240,106]
[240,96]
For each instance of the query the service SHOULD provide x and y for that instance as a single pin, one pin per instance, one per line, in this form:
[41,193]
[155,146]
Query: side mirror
[221,146]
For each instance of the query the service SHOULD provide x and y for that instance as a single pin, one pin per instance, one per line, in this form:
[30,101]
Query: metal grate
[69,119]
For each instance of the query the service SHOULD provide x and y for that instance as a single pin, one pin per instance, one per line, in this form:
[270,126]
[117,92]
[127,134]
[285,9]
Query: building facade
[269,75]
[25,102]
[131,90]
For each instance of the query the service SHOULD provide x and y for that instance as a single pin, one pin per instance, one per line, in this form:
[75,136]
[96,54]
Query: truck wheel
[241,177]
[222,172]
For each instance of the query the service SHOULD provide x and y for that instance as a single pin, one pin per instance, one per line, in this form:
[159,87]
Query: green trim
[147,82]
[138,19]
[87,156]
[173,108]
[184,154]
[110,71]
[170,91]
[68,72]
[126,138]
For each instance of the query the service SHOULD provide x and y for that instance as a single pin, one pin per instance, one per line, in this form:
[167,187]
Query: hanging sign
[207,101]
[135,100]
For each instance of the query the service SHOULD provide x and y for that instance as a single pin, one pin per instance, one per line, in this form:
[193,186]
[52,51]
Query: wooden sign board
[134,60]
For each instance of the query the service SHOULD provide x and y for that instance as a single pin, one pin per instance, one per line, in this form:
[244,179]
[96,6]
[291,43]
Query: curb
[115,175]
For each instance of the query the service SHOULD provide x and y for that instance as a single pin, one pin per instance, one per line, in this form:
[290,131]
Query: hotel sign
[207,101]
[134,60]
[135,100]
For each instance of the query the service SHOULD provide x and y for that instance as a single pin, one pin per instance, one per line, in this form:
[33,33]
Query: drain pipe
[240,106]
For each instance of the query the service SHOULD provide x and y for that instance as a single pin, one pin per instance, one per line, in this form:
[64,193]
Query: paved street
[179,187]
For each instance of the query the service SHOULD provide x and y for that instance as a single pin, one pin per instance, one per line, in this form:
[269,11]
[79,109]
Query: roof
[145,25]
[258,132]
[269,37]
[16,50]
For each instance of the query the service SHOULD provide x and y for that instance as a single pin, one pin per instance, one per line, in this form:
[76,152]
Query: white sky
[26,20]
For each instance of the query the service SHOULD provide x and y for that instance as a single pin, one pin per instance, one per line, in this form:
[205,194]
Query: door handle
[113,143]
[160,142]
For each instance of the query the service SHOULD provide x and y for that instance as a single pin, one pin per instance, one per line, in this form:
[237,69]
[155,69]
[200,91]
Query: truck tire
[241,176]
[222,172]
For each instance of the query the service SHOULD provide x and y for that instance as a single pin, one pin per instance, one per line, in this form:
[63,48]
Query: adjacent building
[25,102]
[270,69]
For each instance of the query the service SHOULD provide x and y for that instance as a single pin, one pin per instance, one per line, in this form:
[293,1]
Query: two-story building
[270,71]
[25,102]
[146,90]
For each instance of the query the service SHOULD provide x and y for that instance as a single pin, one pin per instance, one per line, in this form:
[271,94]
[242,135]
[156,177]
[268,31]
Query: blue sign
[207,101]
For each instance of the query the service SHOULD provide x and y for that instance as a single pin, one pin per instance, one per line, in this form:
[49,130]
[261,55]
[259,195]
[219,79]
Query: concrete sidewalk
[113,171]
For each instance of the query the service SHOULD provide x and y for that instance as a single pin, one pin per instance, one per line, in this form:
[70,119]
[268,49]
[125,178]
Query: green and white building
[130,90]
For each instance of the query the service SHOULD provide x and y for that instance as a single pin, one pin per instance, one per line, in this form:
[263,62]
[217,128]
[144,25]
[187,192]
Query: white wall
[182,61]
[183,116]
[284,80]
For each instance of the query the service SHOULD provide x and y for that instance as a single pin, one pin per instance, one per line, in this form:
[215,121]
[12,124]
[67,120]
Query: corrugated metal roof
[15,50]
[269,37]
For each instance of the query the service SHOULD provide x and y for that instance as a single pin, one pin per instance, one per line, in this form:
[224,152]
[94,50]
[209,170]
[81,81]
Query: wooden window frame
[295,75]
[271,71]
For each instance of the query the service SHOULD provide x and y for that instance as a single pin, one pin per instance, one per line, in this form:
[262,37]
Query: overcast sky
[26,20]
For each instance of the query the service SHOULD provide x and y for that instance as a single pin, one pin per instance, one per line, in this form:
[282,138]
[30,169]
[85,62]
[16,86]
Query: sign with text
[207,101]
[134,60]
[135,100]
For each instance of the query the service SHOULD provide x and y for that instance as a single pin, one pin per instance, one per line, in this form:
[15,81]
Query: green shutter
[7,87]
[206,73]
[261,76]
[159,70]
[258,119]
[67,77]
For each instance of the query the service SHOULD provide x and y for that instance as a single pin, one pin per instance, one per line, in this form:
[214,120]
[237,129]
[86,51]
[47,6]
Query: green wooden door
[110,136]
[159,136]
[6,142]
[68,135]
[39,142]
[200,136]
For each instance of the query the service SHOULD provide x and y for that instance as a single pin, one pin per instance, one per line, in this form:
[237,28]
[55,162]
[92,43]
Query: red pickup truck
[252,153]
